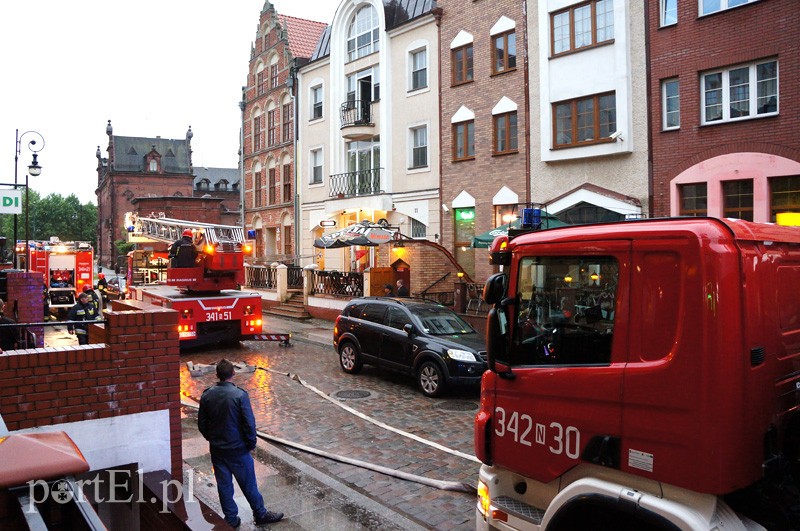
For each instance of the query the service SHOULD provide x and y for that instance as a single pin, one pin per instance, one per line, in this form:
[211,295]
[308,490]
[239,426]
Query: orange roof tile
[303,35]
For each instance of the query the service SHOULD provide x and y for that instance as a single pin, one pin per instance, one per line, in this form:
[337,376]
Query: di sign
[10,202]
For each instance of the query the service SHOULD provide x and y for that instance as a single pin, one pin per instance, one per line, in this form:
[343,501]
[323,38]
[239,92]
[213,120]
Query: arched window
[362,37]
[202,184]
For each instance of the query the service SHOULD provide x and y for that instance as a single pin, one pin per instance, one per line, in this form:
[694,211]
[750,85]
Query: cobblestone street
[287,409]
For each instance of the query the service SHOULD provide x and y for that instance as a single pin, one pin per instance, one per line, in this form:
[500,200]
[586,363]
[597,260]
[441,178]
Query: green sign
[10,202]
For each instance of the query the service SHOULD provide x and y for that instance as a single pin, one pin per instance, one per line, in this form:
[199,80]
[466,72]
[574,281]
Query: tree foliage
[64,217]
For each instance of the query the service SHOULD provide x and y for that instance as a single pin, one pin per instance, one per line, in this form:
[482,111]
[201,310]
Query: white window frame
[724,5]
[667,9]
[415,68]
[364,23]
[315,91]
[312,159]
[725,99]
[665,100]
[413,139]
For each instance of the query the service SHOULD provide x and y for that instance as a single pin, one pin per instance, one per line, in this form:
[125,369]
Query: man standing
[402,291]
[182,252]
[8,334]
[226,421]
[83,310]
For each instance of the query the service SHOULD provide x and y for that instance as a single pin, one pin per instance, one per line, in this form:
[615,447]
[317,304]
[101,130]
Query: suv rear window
[353,310]
[397,318]
[374,313]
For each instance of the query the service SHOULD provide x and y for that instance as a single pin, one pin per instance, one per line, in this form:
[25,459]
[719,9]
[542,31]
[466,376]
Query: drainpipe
[527,99]
[648,88]
[292,85]
[241,163]
[437,13]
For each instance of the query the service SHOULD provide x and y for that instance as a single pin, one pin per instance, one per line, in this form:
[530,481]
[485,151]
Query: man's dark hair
[224,369]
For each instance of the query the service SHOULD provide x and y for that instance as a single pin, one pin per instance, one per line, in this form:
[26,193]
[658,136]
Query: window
[287,122]
[669,12]
[257,133]
[712,6]
[262,86]
[273,76]
[670,104]
[153,165]
[258,184]
[418,229]
[737,199]
[464,233]
[784,195]
[462,64]
[419,69]
[419,147]
[287,183]
[693,199]
[505,52]
[464,140]
[272,186]
[316,166]
[203,184]
[505,133]
[585,121]
[271,124]
[316,102]
[582,26]
[362,36]
[742,92]
[555,289]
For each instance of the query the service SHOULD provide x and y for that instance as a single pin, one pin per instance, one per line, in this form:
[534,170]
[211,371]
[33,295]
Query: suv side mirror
[408,328]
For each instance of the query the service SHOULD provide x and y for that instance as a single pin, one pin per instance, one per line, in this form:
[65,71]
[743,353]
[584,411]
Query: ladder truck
[65,267]
[205,292]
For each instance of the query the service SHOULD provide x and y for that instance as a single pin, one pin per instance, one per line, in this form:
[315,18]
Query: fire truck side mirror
[495,289]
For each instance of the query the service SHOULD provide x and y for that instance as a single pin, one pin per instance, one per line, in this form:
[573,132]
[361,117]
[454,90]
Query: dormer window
[202,184]
[153,165]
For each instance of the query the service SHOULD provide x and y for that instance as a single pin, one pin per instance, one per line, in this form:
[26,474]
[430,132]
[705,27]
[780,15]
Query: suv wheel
[349,358]
[430,378]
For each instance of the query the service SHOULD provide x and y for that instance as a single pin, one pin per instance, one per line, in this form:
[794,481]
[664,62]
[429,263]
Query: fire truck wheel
[430,378]
[349,358]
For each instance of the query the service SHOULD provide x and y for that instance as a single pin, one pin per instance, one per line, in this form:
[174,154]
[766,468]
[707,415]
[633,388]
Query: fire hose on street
[435,483]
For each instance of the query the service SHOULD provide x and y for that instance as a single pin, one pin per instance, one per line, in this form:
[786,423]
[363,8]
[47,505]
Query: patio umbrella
[364,233]
[485,240]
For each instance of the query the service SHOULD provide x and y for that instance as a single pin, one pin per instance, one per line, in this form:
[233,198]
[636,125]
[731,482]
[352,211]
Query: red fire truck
[65,267]
[642,375]
[207,294]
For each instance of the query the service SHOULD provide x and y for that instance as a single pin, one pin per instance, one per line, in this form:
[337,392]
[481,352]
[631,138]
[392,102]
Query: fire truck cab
[642,375]
[65,267]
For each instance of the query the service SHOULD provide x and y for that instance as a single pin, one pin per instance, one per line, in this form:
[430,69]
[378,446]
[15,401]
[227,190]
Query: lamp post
[34,170]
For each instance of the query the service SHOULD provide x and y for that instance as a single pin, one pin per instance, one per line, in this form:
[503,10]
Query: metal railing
[364,182]
[294,277]
[256,276]
[337,283]
[356,112]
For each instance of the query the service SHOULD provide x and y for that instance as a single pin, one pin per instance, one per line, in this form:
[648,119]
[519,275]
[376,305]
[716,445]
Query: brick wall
[484,176]
[134,368]
[694,45]
[25,290]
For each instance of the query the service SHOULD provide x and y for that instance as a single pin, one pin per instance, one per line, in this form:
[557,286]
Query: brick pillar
[25,290]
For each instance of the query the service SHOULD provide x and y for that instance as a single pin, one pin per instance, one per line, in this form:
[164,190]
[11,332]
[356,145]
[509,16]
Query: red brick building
[156,175]
[282,45]
[484,123]
[724,108]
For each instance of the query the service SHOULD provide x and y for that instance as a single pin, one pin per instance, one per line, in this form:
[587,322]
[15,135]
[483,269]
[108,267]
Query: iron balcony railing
[356,112]
[365,182]
[338,283]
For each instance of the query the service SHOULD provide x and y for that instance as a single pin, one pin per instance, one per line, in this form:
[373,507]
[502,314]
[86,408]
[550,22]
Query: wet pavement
[296,395]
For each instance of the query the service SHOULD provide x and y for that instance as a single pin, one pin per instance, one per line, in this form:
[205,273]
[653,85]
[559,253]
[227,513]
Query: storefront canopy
[485,240]
[364,233]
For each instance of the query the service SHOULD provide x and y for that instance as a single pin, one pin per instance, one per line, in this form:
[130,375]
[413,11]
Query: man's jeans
[240,467]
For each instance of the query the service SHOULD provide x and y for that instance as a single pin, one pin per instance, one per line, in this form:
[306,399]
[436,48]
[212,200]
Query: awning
[364,233]
[485,240]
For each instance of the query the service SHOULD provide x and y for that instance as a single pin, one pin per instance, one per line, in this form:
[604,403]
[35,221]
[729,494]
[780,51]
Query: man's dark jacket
[226,419]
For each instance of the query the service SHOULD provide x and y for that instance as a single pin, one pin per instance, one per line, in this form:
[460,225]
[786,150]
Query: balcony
[357,120]
[356,183]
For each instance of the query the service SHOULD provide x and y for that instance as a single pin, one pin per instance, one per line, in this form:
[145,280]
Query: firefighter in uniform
[182,252]
[93,298]
[83,310]
[102,287]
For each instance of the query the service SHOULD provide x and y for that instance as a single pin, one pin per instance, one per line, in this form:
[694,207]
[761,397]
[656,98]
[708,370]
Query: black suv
[413,336]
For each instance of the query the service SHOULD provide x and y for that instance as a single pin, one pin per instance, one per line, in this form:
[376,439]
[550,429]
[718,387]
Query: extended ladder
[169,230]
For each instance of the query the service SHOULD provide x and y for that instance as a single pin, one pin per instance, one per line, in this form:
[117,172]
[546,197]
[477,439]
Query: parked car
[412,336]
[116,288]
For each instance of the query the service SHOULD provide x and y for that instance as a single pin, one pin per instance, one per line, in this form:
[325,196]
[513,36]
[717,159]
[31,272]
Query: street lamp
[34,170]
